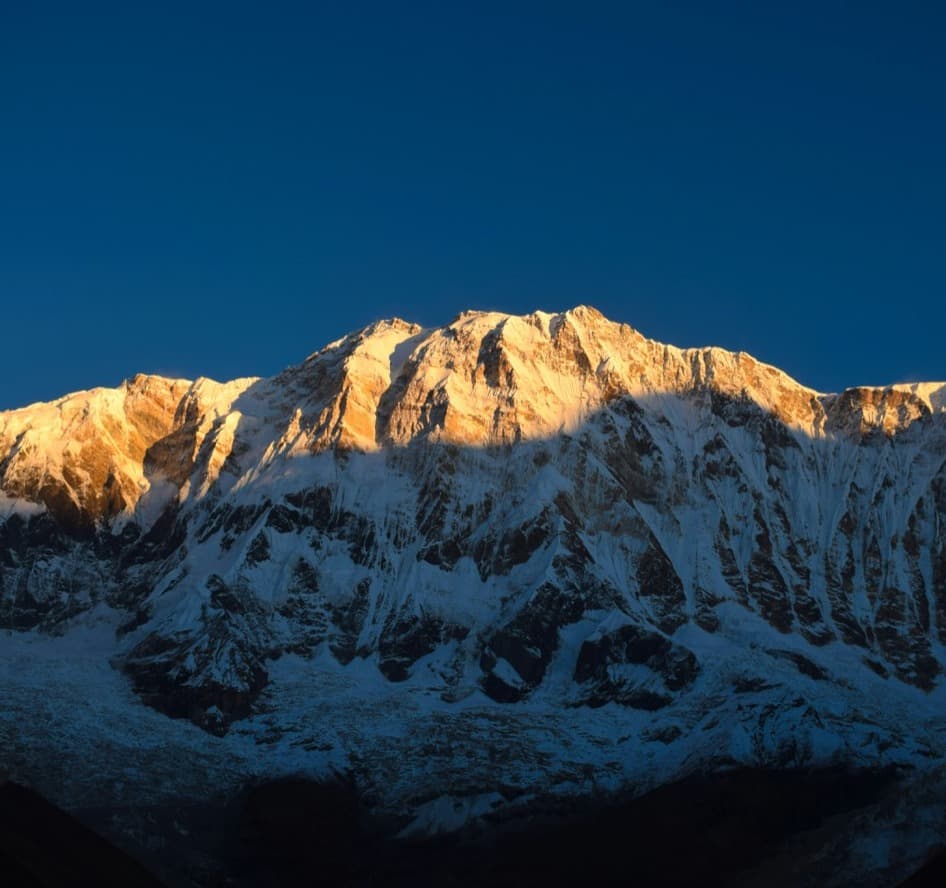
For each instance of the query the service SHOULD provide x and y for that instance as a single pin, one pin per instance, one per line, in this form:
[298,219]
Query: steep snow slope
[619,558]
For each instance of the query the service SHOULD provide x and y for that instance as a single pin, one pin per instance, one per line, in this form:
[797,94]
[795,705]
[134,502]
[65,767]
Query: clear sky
[221,189]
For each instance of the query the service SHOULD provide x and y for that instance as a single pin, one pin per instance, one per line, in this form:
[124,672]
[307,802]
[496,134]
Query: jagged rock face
[98,456]
[543,507]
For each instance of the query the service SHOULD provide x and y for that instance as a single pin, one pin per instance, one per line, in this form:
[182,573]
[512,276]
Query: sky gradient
[222,191]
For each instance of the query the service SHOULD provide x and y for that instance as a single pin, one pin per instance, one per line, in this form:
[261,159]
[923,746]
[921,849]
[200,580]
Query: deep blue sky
[221,189]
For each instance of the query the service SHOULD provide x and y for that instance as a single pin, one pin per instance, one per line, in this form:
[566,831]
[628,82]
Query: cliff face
[544,544]
[537,505]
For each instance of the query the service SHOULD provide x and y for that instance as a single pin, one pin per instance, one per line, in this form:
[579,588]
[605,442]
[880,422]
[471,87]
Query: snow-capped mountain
[505,556]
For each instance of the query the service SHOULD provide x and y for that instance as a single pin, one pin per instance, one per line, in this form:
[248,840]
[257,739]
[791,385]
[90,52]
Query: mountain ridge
[477,563]
[368,404]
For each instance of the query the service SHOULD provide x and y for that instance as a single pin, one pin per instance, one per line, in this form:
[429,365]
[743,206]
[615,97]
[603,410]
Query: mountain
[476,565]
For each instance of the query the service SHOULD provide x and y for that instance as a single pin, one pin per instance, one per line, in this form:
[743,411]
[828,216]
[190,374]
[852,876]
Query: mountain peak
[486,378]
[631,559]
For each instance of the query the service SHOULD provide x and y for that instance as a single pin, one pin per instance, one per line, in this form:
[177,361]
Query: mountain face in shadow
[507,556]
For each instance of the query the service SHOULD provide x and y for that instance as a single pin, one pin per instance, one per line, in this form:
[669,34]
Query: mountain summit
[546,544]
[485,379]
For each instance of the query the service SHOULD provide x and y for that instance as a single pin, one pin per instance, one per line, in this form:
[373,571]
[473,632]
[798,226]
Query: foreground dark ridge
[729,828]
[43,847]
